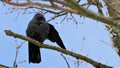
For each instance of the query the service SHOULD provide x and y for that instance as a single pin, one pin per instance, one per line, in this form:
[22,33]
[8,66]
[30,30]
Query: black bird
[40,30]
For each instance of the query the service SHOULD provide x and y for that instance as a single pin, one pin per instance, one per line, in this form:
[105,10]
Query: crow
[40,30]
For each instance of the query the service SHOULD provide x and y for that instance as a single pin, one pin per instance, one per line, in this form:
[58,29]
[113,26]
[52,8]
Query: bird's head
[39,17]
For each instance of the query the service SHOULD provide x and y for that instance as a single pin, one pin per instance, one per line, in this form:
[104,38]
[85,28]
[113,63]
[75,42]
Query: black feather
[54,36]
[40,30]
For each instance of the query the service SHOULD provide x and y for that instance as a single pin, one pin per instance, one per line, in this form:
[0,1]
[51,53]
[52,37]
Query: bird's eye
[40,18]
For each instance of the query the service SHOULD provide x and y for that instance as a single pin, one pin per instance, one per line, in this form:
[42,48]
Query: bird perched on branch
[40,30]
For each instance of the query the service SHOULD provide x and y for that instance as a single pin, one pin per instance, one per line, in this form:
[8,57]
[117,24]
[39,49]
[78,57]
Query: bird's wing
[54,36]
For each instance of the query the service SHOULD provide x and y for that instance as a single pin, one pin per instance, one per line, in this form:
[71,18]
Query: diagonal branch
[88,13]
[3,66]
[36,4]
[71,6]
[67,52]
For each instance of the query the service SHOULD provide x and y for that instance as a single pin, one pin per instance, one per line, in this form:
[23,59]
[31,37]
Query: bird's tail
[34,53]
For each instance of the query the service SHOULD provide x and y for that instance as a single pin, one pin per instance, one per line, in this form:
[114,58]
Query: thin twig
[54,17]
[65,60]
[50,11]
[62,19]
[15,65]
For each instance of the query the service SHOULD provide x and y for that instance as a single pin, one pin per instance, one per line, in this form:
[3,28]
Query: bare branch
[88,13]
[65,60]
[72,7]
[111,7]
[114,10]
[3,66]
[15,65]
[41,5]
[67,52]
[58,15]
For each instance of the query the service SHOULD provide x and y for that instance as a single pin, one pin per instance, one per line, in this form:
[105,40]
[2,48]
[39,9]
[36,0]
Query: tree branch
[71,6]
[36,4]
[65,60]
[114,10]
[3,66]
[88,13]
[67,52]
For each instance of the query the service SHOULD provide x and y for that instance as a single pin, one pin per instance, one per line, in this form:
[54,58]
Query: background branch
[114,10]
[65,60]
[71,7]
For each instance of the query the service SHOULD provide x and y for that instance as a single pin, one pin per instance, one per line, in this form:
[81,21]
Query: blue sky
[94,32]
